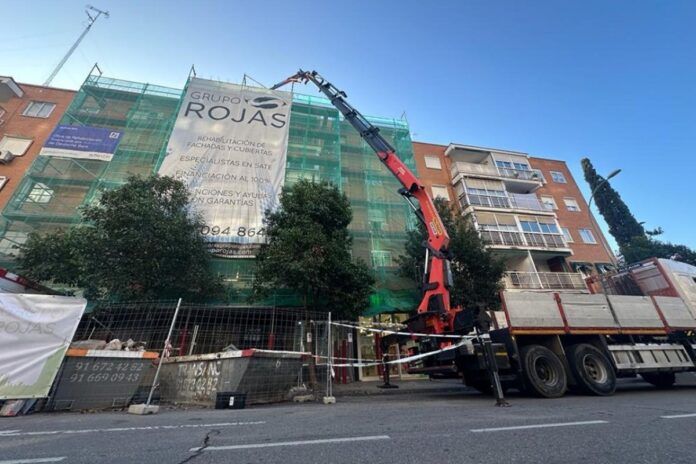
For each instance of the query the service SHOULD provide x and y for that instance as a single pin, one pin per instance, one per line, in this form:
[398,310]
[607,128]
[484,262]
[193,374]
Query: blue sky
[614,81]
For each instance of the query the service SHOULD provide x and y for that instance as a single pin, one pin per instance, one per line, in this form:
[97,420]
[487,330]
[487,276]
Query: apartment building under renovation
[321,146]
[528,210]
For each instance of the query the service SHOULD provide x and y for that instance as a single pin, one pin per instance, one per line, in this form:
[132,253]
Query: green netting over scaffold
[53,188]
[322,146]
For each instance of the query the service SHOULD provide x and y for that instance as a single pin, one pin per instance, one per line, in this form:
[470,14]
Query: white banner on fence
[35,332]
[229,146]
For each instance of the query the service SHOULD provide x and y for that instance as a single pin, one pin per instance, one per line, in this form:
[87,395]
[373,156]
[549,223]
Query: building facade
[322,146]
[528,210]
[28,114]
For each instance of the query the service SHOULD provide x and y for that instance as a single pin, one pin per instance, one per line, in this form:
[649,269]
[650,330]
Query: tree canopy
[138,242]
[644,247]
[308,251]
[476,273]
[622,225]
[635,243]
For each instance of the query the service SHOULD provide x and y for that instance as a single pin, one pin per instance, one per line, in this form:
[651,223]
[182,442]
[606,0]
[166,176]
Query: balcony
[544,240]
[522,174]
[493,237]
[532,175]
[544,280]
[519,239]
[473,168]
[512,201]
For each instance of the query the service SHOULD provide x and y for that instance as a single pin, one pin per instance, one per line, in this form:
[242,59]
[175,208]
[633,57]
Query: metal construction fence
[195,354]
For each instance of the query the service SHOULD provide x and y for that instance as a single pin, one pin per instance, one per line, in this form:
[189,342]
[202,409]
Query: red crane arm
[434,309]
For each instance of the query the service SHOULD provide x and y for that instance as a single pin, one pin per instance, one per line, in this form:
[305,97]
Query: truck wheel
[660,379]
[543,372]
[592,370]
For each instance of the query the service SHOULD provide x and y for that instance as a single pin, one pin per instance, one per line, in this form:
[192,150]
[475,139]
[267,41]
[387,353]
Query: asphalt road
[637,425]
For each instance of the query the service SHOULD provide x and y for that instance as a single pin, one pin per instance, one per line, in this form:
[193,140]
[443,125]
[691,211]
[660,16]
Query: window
[432,162]
[566,235]
[381,258]
[2,114]
[587,236]
[40,193]
[3,181]
[15,145]
[11,241]
[497,222]
[486,193]
[538,227]
[558,177]
[512,165]
[440,191]
[549,202]
[571,204]
[38,109]
[377,219]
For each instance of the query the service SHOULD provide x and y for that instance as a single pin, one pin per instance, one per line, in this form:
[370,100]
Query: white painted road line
[32,461]
[292,443]
[125,429]
[678,416]
[539,426]
[9,431]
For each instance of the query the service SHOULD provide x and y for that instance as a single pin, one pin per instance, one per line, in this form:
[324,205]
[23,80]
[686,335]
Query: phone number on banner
[233,231]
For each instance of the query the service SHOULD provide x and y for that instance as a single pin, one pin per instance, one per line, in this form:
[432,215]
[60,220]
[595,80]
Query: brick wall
[582,252]
[430,176]
[37,129]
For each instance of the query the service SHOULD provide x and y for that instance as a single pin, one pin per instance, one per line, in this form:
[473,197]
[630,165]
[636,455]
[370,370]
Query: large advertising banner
[82,142]
[229,146]
[35,332]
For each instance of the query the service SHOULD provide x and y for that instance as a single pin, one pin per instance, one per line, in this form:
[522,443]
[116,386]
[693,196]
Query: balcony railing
[489,201]
[545,280]
[493,237]
[519,239]
[544,240]
[473,168]
[489,170]
[513,201]
[524,174]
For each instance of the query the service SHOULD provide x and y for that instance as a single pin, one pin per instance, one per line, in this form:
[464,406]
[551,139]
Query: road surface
[637,425]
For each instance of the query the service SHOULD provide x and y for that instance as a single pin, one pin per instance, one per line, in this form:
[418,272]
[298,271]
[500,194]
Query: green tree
[476,273]
[643,247]
[138,242]
[635,243]
[308,251]
[622,225]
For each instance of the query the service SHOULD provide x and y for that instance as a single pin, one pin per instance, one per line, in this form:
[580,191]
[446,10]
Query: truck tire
[543,372]
[593,372]
[660,379]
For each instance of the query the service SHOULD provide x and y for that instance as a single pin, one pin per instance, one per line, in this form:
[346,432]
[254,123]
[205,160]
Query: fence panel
[261,354]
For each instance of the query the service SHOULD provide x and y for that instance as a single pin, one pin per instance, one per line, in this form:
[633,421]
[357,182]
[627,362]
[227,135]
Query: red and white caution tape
[407,359]
[396,332]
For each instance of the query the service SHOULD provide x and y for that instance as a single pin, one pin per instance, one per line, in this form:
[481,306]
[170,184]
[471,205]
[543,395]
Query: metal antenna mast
[90,11]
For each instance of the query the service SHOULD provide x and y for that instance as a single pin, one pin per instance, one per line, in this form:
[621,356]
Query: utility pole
[93,14]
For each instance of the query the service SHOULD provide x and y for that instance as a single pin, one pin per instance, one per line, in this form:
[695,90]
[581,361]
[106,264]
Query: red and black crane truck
[544,343]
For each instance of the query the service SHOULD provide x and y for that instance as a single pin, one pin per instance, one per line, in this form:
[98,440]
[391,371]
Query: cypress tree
[622,225]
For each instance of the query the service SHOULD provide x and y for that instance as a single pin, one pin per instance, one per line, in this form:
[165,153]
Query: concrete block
[329,400]
[143,409]
[303,398]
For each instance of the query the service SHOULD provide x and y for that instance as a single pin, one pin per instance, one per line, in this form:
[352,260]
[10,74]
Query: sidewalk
[405,387]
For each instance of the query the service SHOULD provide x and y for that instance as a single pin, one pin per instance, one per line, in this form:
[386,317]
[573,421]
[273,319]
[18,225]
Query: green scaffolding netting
[322,146]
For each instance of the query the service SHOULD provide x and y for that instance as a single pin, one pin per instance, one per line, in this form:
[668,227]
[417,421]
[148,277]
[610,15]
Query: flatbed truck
[549,343]
[546,343]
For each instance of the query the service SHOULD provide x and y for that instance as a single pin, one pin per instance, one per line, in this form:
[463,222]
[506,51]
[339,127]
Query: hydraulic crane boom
[434,312]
